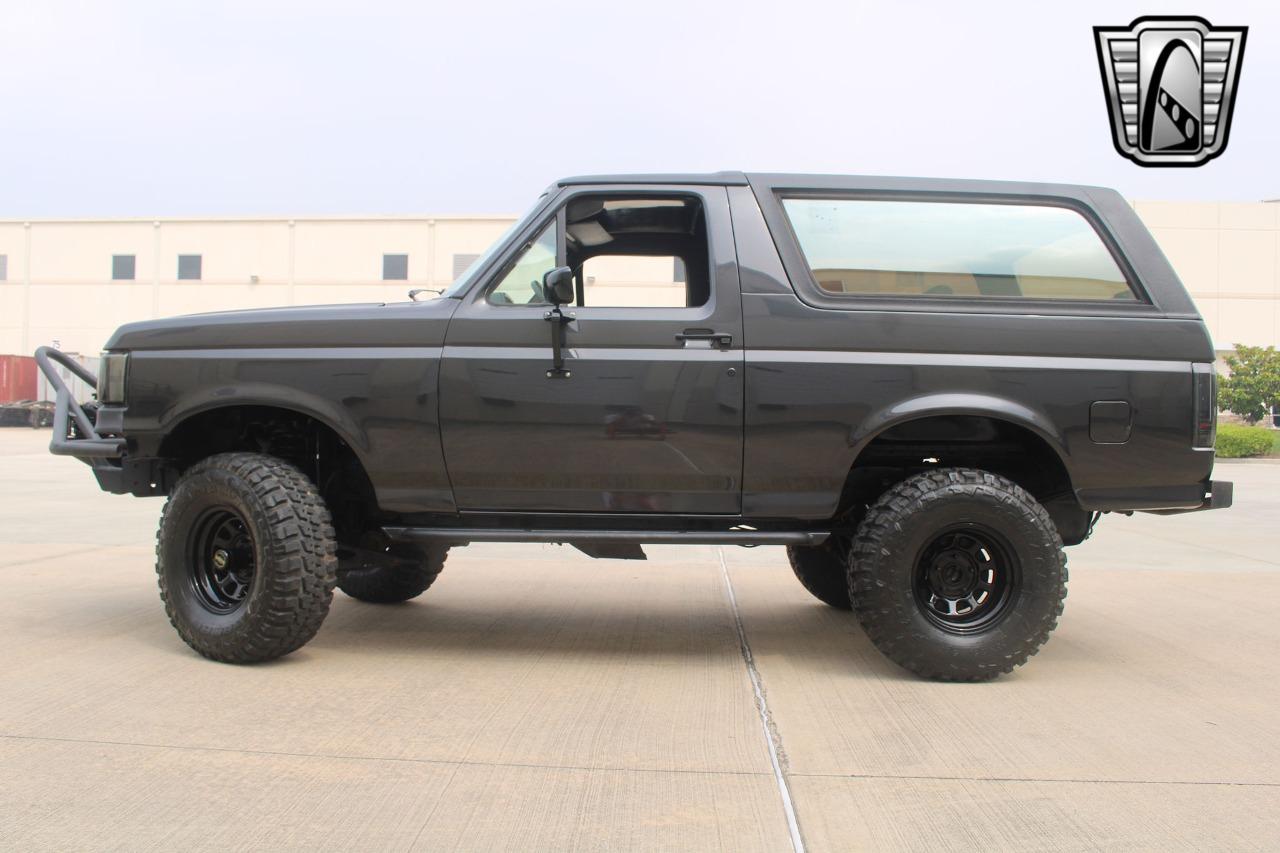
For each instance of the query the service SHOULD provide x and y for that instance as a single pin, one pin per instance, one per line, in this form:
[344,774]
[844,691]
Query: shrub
[1254,384]
[1235,441]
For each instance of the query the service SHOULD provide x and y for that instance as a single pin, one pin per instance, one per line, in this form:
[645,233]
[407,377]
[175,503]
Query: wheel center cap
[221,559]
[953,575]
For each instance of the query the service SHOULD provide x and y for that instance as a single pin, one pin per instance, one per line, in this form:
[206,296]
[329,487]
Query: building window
[124,267]
[395,267]
[189,267]
[462,263]
[4,267]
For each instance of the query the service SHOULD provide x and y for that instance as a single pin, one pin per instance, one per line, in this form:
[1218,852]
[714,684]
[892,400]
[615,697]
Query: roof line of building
[372,217]
[151,220]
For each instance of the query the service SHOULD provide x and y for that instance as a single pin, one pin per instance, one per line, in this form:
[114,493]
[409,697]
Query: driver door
[648,415]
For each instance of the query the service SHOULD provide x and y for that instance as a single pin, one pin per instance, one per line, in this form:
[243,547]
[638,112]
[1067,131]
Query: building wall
[58,285]
[62,290]
[632,281]
[1228,256]
[13,295]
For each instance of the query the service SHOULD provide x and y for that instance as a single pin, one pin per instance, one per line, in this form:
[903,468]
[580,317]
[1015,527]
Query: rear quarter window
[963,250]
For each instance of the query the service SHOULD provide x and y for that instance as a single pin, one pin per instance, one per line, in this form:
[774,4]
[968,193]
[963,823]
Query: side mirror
[558,286]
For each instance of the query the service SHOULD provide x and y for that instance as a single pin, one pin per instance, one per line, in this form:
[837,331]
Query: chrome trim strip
[297,353]
[953,359]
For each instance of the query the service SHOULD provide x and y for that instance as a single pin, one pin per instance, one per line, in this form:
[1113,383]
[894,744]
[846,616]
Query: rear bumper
[1218,495]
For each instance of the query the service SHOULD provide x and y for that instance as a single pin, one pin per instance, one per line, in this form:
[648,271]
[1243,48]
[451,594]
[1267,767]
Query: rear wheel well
[965,441]
[311,445]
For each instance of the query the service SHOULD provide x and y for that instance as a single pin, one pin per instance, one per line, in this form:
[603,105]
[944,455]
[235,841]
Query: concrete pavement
[537,699]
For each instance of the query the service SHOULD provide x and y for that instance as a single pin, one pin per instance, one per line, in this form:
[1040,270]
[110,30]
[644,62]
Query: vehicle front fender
[382,402]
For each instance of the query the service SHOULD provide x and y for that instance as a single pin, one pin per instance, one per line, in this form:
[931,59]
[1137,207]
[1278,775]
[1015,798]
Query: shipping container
[17,378]
[80,390]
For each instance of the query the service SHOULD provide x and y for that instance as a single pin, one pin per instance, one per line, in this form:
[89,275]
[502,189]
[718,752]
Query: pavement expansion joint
[1050,780]
[771,736]
[335,756]
[44,558]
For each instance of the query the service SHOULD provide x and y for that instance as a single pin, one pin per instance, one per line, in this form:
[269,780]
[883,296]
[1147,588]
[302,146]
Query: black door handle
[716,339]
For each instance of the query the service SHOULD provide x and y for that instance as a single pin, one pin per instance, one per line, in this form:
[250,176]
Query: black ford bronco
[924,389]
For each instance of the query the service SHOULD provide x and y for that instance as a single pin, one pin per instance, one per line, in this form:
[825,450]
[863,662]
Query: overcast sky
[156,107]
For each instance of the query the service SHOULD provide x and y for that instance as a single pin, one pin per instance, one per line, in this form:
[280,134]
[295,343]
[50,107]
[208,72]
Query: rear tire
[824,571]
[406,574]
[958,574]
[245,558]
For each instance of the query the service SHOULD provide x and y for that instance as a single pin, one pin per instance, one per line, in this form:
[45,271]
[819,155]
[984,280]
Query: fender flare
[959,403]
[267,395]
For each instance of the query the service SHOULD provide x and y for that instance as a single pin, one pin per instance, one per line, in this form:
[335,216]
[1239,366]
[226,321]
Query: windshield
[463,282]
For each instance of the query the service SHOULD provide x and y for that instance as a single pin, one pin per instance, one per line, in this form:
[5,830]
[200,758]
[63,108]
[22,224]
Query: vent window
[462,263]
[124,267]
[395,267]
[189,267]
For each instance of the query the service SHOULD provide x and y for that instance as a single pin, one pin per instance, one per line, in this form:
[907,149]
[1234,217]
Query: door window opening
[625,252]
[635,252]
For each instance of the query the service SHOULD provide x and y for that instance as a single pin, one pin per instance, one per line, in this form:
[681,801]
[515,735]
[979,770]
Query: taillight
[1205,391]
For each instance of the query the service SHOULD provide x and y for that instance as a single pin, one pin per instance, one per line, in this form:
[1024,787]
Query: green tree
[1254,384]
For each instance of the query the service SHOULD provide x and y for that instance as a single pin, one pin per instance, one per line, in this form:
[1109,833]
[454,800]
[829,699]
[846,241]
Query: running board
[639,537]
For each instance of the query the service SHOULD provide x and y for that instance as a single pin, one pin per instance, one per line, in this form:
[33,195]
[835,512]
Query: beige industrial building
[74,281]
[70,282]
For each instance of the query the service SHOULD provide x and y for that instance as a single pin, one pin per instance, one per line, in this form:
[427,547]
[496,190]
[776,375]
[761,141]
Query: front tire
[245,558]
[958,574]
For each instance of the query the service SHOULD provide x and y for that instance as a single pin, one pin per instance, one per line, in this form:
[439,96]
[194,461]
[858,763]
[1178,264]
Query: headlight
[111,377]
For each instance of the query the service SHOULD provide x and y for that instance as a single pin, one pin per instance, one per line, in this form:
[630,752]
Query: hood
[361,325]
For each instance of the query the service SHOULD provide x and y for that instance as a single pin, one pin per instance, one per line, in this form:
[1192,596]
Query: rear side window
[897,249]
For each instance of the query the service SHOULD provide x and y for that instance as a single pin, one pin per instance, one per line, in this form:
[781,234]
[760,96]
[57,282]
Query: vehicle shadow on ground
[812,637]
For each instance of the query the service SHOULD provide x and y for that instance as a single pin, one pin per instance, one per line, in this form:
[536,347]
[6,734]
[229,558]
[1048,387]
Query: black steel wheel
[245,558]
[966,578]
[222,559]
[957,574]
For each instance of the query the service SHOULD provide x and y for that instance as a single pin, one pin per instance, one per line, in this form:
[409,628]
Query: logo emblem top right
[1170,84]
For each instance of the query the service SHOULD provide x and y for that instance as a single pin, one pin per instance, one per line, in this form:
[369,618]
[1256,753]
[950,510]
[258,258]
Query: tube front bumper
[74,433]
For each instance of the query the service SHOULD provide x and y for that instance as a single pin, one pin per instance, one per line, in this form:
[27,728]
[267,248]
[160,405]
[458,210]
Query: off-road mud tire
[406,574]
[824,571]
[290,586]
[885,573]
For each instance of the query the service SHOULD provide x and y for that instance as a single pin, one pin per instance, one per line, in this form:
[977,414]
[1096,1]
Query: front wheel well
[966,441]
[309,444]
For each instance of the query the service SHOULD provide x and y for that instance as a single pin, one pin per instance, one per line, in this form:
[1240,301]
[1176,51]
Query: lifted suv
[924,389]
